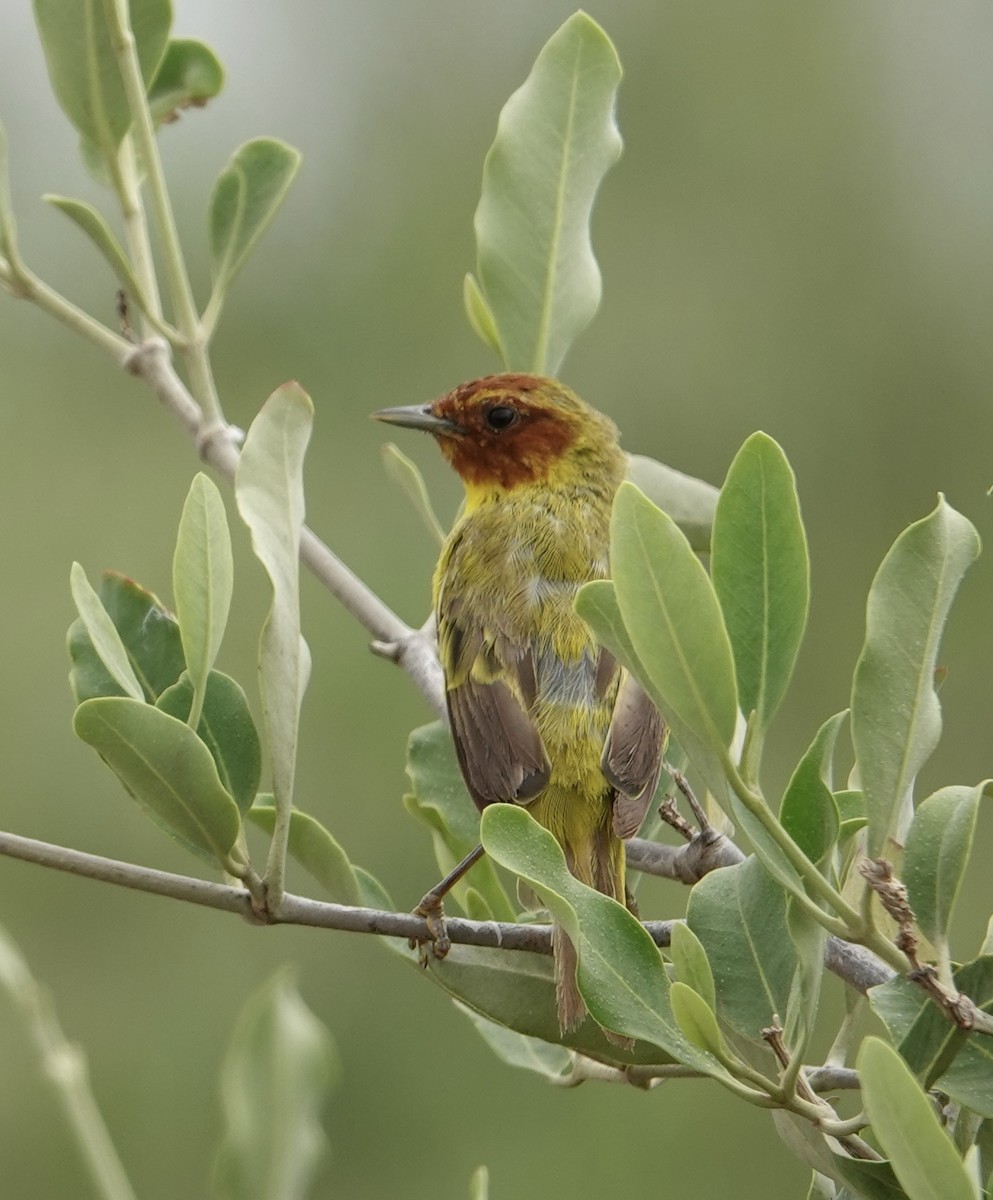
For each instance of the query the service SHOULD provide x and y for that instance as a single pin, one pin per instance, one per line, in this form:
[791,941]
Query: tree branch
[218,446]
[854,964]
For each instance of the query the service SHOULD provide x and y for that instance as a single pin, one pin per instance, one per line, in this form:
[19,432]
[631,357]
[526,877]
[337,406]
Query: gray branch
[853,964]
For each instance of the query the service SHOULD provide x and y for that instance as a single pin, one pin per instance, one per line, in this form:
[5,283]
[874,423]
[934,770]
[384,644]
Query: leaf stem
[850,924]
[23,284]
[194,348]
[128,183]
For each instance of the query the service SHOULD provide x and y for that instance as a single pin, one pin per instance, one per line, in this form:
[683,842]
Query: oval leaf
[761,573]
[226,728]
[315,850]
[620,971]
[518,1050]
[556,139]
[7,228]
[671,613]
[697,1021]
[98,231]
[739,915]
[269,492]
[903,1119]
[202,582]
[150,636]
[809,813]
[103,635]
[690,960]
[83,66]
[480,317]
[246,197]
[596,603]
[279,1067]
[936,1050]
[189,75]
[404,472]
[936,854]
[896,717]
[690,502]
[168,770]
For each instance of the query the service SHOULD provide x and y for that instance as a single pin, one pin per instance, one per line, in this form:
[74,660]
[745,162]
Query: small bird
[541,715]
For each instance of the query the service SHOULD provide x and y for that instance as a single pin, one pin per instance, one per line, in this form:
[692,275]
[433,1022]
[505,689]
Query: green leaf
[479,1184]
[851,811]
[518,1050]
[246,197]
[226,728]
[620,973]
[8,233]
[404,472]
[808,812]
[169,771]
[936,1050]
[808,938]
[767,850]
[761,573]
[936,854]
[440,800]
[189,75]
[896,717]
[269,492]
[202,582]
[691,963]
[690,502]
[673,619]
[555,141]
[739,915]
[99,232]
[903,1119]
[315,850]
[103,635]
[515,990]
[597,604]
[277,1072]
[866,1180]
[480,317]
[697,1022]
[83,67]
[150,635]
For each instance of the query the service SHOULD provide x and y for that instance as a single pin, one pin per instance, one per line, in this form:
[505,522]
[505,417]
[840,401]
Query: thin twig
[65,1067]
[852,963]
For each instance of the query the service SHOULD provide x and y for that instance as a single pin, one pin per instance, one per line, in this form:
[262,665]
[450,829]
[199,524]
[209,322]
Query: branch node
[139,359]
[217,434]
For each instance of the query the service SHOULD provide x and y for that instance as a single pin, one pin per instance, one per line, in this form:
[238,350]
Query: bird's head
[509,430]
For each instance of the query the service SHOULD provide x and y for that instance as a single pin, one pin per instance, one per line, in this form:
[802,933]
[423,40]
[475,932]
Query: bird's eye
[501,416]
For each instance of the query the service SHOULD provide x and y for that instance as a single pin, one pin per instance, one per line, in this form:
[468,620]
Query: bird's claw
[432,910]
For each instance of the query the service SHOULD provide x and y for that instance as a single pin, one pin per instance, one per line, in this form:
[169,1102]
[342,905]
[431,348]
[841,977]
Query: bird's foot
[432,909]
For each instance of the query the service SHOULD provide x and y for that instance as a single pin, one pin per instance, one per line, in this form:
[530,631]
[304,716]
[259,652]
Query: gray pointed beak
[417,416]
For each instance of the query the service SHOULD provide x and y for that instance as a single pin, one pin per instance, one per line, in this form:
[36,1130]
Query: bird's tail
[601,866]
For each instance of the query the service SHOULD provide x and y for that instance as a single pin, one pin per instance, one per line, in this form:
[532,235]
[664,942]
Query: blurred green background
[797,239]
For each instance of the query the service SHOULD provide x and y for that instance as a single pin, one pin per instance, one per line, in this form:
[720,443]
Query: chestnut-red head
[507,430]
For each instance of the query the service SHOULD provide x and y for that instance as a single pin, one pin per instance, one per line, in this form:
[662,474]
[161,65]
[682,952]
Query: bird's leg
[431,906]
[679,779]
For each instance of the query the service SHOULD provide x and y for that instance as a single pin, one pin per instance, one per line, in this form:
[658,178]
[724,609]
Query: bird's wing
[632,754]
[490,682]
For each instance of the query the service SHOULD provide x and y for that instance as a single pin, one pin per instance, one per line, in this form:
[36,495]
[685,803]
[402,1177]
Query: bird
[541,715]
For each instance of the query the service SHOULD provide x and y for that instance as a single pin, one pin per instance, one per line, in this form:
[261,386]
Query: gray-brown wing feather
[632,755]
[499,749]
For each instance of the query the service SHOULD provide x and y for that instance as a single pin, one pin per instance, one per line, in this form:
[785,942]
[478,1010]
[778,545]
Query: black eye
[501,416]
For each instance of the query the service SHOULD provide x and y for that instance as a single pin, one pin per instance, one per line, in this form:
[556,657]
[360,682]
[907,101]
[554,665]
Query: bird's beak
[417,416]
